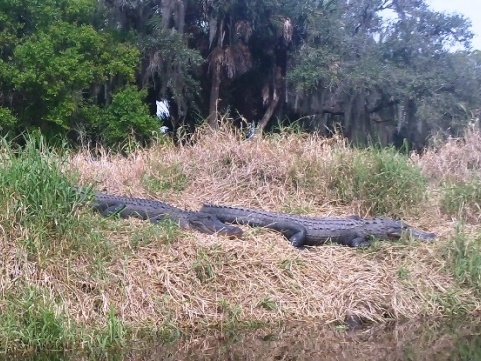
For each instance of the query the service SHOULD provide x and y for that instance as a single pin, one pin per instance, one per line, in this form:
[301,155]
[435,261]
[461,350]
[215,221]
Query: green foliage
[62,63]
[173,62]
[403,272]
[126,118]
[115,333]
[31,321]
[462,199]
[268,304]
[55,64]
[203,267]
[383,181]
[7,120]
[289,264]
[165,177]
[313,69]
[53,68]
[466,347]
[231,313]
[39,203]
[342,72]
[464,253]
[34,321]
[21,18]
[209,262]
[450,302]
[165,231]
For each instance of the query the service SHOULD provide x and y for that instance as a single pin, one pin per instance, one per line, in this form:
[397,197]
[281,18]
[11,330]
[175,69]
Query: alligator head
[209,224]
[397,232]
[393,229]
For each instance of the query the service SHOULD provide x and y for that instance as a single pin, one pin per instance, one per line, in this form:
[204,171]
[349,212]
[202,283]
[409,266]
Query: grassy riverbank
[70,278]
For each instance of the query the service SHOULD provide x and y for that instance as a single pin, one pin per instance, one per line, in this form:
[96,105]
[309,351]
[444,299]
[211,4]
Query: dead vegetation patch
[207,280]
[456,159]
[152,276]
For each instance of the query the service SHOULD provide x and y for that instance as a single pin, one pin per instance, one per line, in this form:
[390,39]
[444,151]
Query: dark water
[308,342]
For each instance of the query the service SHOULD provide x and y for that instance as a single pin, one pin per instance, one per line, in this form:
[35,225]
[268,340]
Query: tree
[387,74]
[377,69]
[51,71]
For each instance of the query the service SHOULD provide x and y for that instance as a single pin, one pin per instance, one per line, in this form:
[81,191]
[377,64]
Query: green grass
[210,262]
[31,322]
[115,333]
[231,313]
[464,253]
[164,232]
[295,208]
[382,180]
[404,273]
[287,265]
[467,347]
[48,222]
[288,127]
[63,253]
[165,177]
[203,267]
[40,209]
[268,304]
[449,301]
[462,199]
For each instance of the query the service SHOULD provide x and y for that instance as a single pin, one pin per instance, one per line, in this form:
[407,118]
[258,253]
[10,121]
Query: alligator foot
[359,242]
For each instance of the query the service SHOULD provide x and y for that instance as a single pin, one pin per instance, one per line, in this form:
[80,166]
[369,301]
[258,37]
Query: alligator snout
[412,233]
[425,236]
[207,223]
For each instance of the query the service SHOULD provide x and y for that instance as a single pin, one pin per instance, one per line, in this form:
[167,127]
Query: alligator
[392,229]
[155,211]
[302,231]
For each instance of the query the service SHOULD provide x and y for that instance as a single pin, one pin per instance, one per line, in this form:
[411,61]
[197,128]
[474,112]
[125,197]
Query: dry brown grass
[200,280]
[455,159]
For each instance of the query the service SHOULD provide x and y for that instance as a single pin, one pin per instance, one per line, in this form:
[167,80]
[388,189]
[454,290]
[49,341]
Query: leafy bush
[126,118]
[7,120]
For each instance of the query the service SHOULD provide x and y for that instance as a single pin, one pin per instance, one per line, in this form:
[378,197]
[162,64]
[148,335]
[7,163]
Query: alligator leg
[298,239]
[358,242]
[108,211]
[296,234]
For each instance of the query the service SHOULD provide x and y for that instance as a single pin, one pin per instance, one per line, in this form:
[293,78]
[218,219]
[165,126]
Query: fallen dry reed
[261,277]
[154,277]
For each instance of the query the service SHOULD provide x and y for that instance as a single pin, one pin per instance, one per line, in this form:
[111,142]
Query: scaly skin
[155,211]
[301,231]
[388,228]
[352,231]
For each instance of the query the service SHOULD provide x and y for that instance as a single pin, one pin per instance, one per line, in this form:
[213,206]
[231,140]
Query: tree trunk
[216,66]
[273,100]
[214,96]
